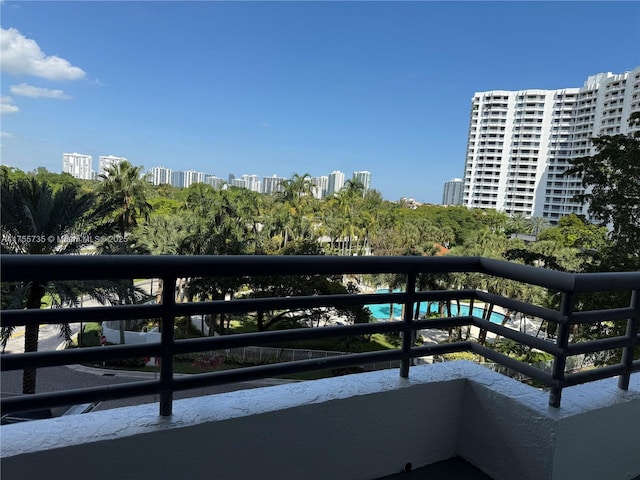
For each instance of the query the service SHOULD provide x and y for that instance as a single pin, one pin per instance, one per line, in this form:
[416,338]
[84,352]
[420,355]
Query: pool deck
[529,324]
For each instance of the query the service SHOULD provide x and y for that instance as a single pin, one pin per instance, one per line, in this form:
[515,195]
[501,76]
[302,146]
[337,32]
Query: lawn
[201,363]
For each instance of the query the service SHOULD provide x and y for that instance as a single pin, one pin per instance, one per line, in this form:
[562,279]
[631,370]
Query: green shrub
[460,356]
[90,335]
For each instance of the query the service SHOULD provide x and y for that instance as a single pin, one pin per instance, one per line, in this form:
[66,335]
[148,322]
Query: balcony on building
[423,419]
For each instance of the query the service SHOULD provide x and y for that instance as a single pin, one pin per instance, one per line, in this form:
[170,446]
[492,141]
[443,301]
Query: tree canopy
[611,179]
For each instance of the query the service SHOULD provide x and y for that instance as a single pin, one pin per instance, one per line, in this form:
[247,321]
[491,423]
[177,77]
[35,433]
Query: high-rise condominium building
[161,175]
[521,142]
[452,194]
[177,178]
[320,185]
[272,184]
[364,177]
[214,181]
[252,182]
[191,177]
[78,165]
[105,162]
[336,182]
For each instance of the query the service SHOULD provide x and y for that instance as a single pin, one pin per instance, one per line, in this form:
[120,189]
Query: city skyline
[81,166]
[287,87]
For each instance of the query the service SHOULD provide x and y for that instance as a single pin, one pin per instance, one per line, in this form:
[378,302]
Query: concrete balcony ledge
[361,426]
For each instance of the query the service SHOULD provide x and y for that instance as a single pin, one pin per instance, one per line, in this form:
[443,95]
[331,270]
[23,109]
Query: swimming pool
[381,311]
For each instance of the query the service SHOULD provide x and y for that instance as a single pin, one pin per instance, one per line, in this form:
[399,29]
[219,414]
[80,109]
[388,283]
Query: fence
[169,268]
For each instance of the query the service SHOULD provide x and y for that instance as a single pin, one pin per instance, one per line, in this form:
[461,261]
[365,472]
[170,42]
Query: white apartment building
[252,182]
[214,181]
[336,182]
[520,142]
[78,165]
[364,177]
[177,178]
[452,194]
[320,186]
[272,184]
[161,175]
[105,162]
[191,177]
[238,182]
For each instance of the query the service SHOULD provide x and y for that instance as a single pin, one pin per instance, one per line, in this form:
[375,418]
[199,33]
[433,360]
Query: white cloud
[26,90]
[22,56]
[6,105]
[6,135]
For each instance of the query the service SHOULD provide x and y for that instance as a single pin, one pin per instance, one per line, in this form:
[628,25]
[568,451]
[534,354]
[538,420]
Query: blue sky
[287,87]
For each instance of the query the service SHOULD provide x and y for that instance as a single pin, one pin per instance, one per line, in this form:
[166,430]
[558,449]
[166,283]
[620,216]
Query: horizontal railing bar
[561,281]
[596,316]
[513,364]
[533,310]
[78,355]
[440,349]
[599,345]
[443,295]
[519,337]
[593,282]
[441,323]
[286,368]
[280,336]
[594,374]
[23,403]
[314,301]
[98,354]
[12,318]
[62,267]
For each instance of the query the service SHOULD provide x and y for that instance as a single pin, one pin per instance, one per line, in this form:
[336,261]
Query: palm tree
[37,220]
[125,189]
[162,235]
[518,223]
[537,225]
[295,198]
[124,186]
[348,202]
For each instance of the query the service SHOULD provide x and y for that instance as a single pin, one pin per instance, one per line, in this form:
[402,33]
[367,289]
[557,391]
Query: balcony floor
[453,468]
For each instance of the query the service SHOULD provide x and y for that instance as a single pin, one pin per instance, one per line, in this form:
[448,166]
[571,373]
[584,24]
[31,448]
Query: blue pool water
[381,312]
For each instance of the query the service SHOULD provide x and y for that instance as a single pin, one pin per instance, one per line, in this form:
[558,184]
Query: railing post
[628,351]
[562,341]
[407,331]
[167,339]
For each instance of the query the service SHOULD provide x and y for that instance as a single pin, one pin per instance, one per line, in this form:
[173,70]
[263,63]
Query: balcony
[361,426]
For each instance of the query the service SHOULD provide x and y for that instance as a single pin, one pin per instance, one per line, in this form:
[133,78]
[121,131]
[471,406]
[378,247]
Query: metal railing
[170,268]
